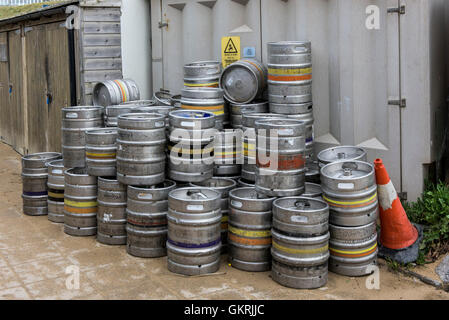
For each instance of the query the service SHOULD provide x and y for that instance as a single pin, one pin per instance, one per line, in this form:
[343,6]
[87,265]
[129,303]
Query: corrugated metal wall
[355,69]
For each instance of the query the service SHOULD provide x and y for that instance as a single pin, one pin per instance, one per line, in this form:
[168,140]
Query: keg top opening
[347,170]
[342,153]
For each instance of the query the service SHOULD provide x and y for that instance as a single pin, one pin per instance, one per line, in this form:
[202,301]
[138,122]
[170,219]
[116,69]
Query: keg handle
[196,194]
[302,204]
[348,167]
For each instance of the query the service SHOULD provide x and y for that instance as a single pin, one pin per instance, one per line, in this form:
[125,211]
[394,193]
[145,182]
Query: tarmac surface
[39,261]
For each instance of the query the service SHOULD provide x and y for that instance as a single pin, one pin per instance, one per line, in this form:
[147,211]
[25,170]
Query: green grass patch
[432,211]
[12,11]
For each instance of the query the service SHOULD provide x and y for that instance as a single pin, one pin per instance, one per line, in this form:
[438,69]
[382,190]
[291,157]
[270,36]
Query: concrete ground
[35,255]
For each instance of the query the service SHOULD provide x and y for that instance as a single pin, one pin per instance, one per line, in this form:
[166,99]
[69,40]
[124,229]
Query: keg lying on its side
[75,122]
[353,250]
[141,147]
[249,234]
[55,186]
[101,152]
[34,182]
[147,220]
[80,203]
[113,92]
[194,228]
[202,74]
[280,168]
[224,186]
[111,216]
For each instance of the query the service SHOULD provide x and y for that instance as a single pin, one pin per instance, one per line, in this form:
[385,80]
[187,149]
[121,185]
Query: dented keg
[224,186]
[80,203]
[191,147]
[237,111]
[34,182]
[280,168]
[55,186]
[147,220]
[141,147]
[113,92]
[194,228]
[249,142]
[111,216]
[101,152]
[244,81]
[249,230]
[205,99]
[350,189]
[228,153]
[341,153]
[353,250]
[202,74]
[289,73]
[75,122]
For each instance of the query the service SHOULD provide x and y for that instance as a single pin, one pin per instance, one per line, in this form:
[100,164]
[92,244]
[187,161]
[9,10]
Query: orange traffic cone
[396,230]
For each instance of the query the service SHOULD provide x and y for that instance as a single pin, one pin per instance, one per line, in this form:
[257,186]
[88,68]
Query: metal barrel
[191,147]
[237,111]
[308,120]
[80,203]
[350,189]
[280,168]
[112,113]
[228,153]
[289,72]
[243,183]
[176,101]
[34,182]
[163,98]
[164,110]
[224,186]
[249,230]
[113,92]
[313,190]
[299,277]
[141,145]
[291,109]
[55,186]
[244,81]
[341,153]
[312,171]
[353,250]
[205,99]
[75,122]
[101,152]
[202,74]
[194,231]
[139,103]
[111,216]
[147,220]
[249,142]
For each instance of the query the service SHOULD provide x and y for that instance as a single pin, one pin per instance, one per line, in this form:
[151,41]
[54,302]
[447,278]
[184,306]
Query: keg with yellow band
[80,207]
[216,110]
[352,203]
[281,248]
[290,74]
[249,237]
[353,253]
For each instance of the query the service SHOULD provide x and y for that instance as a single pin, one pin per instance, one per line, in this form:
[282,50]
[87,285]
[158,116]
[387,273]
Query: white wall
[136,44]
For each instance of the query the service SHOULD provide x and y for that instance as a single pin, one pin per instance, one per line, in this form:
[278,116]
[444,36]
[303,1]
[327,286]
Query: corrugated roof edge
[38,13]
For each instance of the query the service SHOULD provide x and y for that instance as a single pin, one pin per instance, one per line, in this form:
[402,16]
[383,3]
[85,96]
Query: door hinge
[163,24]
[401,103]
[398,10]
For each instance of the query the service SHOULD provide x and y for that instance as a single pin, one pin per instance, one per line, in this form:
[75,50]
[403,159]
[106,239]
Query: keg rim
[276,203]
[99,131]
[313,185]
[108,179]
[50,156]
[170,183]
[232,185]
[233,192]
[308,240]
[289,42]
[199,89]
[346,178]
[205,63]
[70,172]
[141,117]
[83,108]
[54,165]
[323,160]
[172,194]
[175,114]
[160,96]
[255,102]
[353,228]
[286,123]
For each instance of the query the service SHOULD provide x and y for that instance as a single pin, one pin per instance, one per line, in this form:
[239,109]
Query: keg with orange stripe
[114,92]
[290,72]
[349,187]
[80,203]
[353,250]
[249,234]
[202,74]
[147,220]
[244,81]
[205,99]
[101,152]
[224,186]
[280,161]
[111,216]
[55,186]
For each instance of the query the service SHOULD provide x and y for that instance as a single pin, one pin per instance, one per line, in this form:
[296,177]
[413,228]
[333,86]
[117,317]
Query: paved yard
[35,255]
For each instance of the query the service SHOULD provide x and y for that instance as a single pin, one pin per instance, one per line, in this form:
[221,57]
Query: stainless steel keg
[202,74]
[101,152]
[55,186]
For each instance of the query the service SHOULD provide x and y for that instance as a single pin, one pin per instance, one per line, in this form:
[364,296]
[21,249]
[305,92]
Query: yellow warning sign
[230,50]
